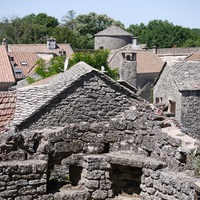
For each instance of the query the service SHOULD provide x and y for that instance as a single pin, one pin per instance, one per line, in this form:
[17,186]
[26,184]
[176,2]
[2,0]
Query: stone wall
[128,72]
[112,42]
[93,99]
[163,184]
[167,92]
[23,179]
[191,112]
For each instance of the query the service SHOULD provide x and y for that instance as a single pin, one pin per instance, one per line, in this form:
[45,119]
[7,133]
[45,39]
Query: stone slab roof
[6,72]
[7,108]
[113,31]
[186,74]
[23,61]
[40,48]
[148,62]
[32,98]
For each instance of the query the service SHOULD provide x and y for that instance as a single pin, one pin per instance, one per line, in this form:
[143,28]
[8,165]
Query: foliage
[95,59]
[86,26]
[79,30]
[29,29]
[164,34]
[30,79]
[195,160]
[55,66]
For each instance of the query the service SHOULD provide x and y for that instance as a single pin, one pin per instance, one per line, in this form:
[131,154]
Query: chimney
[51,43]
[135,41]
[4,42]
[155,49]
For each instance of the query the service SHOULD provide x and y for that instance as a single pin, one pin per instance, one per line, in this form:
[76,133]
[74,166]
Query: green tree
[29,29]
[163,34]
[86,26]
[96,59]
[55,66]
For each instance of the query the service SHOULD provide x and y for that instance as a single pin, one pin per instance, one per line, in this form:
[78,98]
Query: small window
[128,57]
[11,58]
[134,56]
[101,47]
[24,63]
[172,107]
[18,70]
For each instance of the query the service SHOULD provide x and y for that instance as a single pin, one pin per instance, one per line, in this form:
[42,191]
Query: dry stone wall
[93,99]
[23,179]
[190,112]
[88,154]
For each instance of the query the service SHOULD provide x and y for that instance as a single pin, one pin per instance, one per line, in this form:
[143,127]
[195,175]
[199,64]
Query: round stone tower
[112,38]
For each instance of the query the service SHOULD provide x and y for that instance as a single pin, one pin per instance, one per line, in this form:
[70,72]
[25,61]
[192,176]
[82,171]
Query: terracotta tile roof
[113,31]
[194,57]
[6,72]
[148,62]
[40,48]
[24,61]
[178,51]
[7,108]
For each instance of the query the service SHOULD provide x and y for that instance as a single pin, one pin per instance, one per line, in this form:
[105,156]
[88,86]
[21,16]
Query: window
[172,107]
[24,63]
[128,57]
[134,56]
[18,70]
[101,47]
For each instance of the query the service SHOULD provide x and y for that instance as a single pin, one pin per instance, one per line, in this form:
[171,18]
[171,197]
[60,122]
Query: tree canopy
[79,30]
[164,34]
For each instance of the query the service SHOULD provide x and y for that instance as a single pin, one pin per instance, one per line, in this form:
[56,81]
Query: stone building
[137,66]
[178,89]
[81,136]
[112,37]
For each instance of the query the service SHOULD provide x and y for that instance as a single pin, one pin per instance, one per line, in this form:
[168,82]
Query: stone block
[100,194]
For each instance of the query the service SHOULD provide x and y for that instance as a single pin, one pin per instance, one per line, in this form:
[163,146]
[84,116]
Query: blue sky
[185,13]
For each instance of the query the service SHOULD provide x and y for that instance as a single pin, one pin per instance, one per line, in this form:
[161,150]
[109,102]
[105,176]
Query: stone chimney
[4,42]
[51,43]
[135,41]
[155,49]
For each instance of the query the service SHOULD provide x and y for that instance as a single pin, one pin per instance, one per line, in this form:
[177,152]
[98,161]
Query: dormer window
[18,71]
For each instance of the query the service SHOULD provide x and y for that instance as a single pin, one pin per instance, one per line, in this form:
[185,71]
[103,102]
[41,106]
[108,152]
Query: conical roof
[113,31]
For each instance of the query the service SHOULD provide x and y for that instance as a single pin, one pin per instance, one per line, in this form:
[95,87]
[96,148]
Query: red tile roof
[7,108]
[6,72]
[40,48]
[29,60]
[148,62]
[194,57]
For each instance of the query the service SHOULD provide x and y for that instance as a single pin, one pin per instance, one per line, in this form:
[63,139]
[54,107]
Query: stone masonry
[60,152]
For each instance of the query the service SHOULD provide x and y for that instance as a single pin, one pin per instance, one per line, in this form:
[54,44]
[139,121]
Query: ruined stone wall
[91,100]
[164,184]
[112,42]
[191,112]
[137,140]
[23,179]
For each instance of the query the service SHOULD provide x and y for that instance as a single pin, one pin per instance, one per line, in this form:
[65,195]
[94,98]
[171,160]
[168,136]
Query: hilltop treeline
[79,30]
